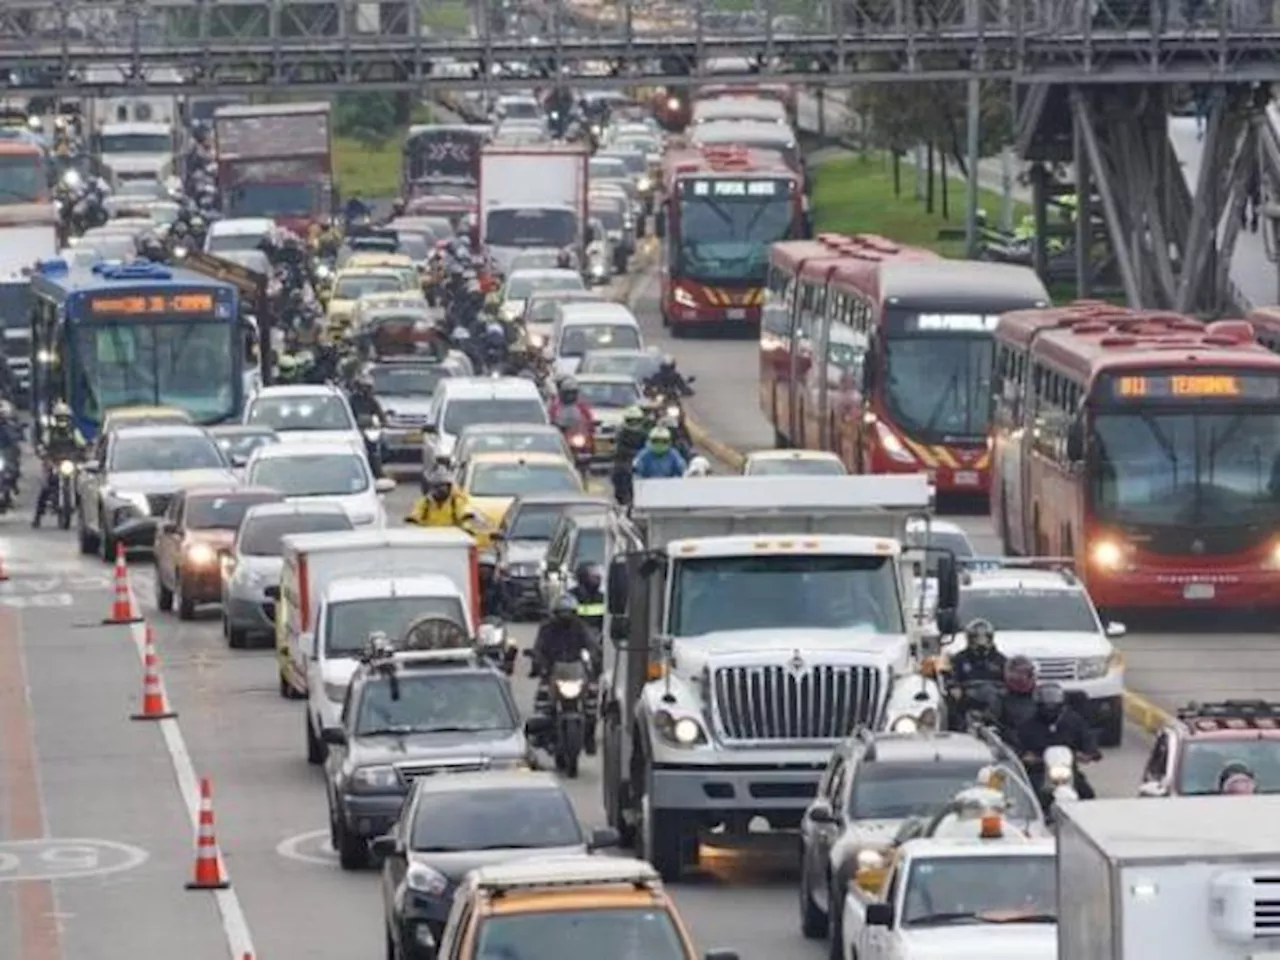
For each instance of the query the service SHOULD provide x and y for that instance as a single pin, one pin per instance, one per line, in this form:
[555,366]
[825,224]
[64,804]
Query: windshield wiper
[390,731]
[941,918]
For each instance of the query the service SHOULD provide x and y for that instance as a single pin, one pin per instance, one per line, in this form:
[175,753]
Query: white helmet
[699,467]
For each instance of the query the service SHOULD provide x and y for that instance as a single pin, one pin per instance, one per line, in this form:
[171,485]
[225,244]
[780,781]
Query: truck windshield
[727,238]
[116,143]
[537,227]
[349,623]
[624,933]
[953,891]
[188,365]
[274,200]
[1188,470]
[783,591]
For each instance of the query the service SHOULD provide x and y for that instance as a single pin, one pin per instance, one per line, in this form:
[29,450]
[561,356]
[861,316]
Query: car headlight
[422,879]
[570,689]
[578,441]
[645,184]
[1060,775]
[179,253]
[335,692]
[323,272]
[1107,555]
[1091,668]
[537,342]
[374,778]
[136,500]
[905,725]
[673,411]
[201,554]
[680,731]
[66,468]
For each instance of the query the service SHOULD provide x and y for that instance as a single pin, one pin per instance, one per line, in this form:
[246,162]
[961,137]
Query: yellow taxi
[492,481]
[353,284]
[410,302]
[142,416]
[399,262]
[572,906]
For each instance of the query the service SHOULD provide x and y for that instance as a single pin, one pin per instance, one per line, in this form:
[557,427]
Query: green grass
[447,17]
[368,171]
[854,194]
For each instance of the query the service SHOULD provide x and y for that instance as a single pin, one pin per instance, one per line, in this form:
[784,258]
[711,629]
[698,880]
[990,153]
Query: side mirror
[947,622]
[948,576]
[1153,788]
[307,644]
[537,726]
[238,460]
[691,379]
[821,812]
[603,839]
[334,736]
[1116,630]
[1075,441]
[879,915]
[384,485]
[387,846]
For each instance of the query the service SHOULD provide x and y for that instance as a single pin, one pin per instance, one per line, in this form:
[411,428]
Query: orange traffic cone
[122,601]
[154,704]
[208,874]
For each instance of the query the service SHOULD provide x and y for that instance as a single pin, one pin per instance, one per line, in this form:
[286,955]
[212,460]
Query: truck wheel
[813,922]
[662,840]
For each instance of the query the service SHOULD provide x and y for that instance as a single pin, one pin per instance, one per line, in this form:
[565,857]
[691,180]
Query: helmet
[660,439]
[633,415]
[1237,778]
[6,409]
[1050,699]
[980,634]
[699,467]
[1020,675]
[564,607]
[568,390]
[495,332]
[668,364]
[440,485]
[589,575]
[61,410]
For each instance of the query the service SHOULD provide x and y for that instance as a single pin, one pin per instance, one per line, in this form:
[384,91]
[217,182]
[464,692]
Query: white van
[313,560]
[351,609]
[581,326]
[461,402]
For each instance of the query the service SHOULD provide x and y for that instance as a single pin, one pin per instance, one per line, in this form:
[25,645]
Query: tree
[367,117]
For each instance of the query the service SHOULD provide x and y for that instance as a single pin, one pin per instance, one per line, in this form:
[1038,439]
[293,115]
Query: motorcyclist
[63,441]
[1237,779]
[568,400]
[1018,704]
[356,210]
[699,467]
[562,638]
[667,380]
[631,438]
[442,505]
[658,459]
[1054,724]
[588,591]
[10,444]
[978,662]
[369,417]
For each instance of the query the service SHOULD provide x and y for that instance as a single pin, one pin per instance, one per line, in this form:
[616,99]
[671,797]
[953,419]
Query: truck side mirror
[948,576]
[334,736]
[619,586]
[879,915]
[619,628]
[1075,441]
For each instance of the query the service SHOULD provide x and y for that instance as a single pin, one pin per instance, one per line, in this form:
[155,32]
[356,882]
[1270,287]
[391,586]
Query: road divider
[209,874]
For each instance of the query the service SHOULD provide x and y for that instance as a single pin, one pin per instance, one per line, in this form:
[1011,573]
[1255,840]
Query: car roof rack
[1231,715]
[1064,566]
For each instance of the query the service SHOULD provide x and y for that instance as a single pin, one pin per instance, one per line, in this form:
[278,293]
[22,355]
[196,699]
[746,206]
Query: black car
[409,715]
[520,546]
[452,825]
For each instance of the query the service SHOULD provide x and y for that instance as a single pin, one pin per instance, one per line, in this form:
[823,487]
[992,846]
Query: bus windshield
[1187,469]
[726,237]
[938,387]
[189,365]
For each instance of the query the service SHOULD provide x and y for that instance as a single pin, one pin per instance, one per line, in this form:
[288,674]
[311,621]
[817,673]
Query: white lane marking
[295,848]
[234,925]
[63,859]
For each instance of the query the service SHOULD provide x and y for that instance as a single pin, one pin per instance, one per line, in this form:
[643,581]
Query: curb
[1144,713]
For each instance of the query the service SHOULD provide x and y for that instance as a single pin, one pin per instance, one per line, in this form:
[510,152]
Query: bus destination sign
[1195,386]
[151,304]
[721,188]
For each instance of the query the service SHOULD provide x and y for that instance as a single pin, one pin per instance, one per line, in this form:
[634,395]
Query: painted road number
[37,600]
[53,859]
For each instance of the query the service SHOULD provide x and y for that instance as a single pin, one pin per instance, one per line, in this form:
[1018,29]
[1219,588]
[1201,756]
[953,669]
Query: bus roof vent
[1118,340]
[133,270]
[1237,331]
[879,244]
[53,267]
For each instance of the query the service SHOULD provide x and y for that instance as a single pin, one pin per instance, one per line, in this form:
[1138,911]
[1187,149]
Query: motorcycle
[977,704]
[66,502]
[578,435]
[568,700]
[1058,782]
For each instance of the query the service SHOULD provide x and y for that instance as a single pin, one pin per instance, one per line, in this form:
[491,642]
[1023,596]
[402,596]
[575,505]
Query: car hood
[395,748]
[983,941]
[267,567]
[493,508]
[397,404]
[168,481]
[1051,644]
[317,436]
[525,552]
[454,866]
[339,670]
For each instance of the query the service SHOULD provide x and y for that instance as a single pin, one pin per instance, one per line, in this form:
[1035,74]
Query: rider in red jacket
[569,411]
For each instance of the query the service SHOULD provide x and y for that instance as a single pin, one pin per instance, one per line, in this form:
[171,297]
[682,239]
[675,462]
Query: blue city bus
[135,334]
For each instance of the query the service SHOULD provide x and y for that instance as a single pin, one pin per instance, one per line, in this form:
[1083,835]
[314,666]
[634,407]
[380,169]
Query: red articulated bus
[722,209]
[1145,445]
[882,354]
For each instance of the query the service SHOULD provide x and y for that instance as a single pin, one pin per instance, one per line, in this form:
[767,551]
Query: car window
[264,536]
[349,623]
[463,413]
[1200,769]
[625,933]
[165,454]
[494,819]
[540,442]
[896,790]
[1063,611]
[319,412]
[409,380]
[578,338]
[312,475]
[221,513]
[943,891]
[534,521]
[425,702]
[353,288]
[609,395]
[243,444]
[521,479]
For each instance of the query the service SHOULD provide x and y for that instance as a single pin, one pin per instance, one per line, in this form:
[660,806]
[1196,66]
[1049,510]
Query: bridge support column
[1172,248]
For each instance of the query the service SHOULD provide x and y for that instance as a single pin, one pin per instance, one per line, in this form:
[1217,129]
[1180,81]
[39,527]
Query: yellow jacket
[427,512]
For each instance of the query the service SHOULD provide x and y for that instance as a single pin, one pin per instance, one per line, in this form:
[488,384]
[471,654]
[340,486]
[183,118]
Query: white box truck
[313,560]
[1187,878]
[532,197]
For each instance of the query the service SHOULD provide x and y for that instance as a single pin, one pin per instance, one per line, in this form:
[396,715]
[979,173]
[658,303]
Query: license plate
[737,314]
[966,478]
[1198,591]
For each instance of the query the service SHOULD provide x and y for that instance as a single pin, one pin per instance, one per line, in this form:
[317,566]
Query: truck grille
[775,703]
[1266,905]
[1055,669]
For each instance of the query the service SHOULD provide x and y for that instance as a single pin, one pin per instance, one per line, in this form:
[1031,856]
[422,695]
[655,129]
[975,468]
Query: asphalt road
[74,767]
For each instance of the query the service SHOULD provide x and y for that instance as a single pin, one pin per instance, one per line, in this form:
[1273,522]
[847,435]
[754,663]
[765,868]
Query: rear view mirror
[238,460]
[334,736]
[948,583]
[386,846]
[603,839]
[879,915]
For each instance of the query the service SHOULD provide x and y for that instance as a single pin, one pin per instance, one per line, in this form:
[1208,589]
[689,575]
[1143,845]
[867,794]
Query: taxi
[571,906]
[401,263]
[492,481]
[353,284]
[143,416]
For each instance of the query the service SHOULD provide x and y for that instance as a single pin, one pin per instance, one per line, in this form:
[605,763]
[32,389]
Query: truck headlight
[371,779]
[569,689]
[1091,668]
[1060,775]
[680,731]
[905,725]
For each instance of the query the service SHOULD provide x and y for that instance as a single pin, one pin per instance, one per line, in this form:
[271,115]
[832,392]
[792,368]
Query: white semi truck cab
[757,621]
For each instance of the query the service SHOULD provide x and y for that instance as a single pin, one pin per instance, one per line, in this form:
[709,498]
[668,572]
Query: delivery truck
[1186,878]
[313,560]
[533,197]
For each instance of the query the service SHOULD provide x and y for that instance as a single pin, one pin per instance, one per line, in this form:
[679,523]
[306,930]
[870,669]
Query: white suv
[1046,614]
